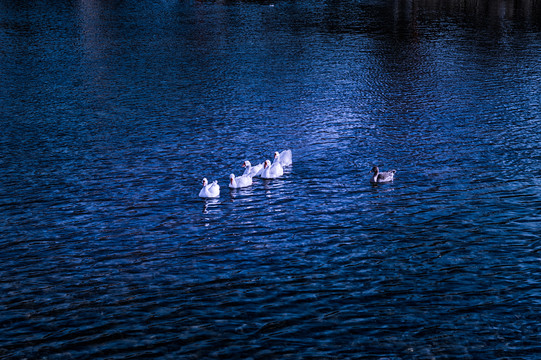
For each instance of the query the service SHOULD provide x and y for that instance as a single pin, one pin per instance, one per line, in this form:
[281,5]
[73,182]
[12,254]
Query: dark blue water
[113,111]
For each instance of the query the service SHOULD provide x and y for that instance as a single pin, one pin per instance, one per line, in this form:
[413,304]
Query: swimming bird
[210,191]
[381,177]
[285,158]
[239,182]
[272,171]
[252,171]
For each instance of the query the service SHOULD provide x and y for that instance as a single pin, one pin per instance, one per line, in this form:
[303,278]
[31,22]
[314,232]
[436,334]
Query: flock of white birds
[265,170]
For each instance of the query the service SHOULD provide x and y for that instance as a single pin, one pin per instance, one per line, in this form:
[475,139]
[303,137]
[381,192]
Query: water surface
[113,112]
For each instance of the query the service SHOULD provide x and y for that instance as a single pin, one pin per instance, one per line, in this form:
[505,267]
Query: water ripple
[113,114]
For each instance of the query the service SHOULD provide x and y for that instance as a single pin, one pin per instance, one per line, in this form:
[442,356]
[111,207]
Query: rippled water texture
[112,112]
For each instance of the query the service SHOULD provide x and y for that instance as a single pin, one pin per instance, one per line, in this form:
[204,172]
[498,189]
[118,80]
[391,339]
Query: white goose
[210,191]
[381,177]
[252,171]
[285,158]
[239,182]
[272,171]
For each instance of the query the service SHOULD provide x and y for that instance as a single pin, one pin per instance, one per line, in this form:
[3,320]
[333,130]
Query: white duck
[272,171]
[381,177]
[210,191]
[252,171]
[239,182]
[285,158]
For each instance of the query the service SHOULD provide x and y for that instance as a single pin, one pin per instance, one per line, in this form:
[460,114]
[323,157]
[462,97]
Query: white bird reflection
[241,192]
[211,206]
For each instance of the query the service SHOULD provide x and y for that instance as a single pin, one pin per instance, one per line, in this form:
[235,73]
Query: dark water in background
[113,111]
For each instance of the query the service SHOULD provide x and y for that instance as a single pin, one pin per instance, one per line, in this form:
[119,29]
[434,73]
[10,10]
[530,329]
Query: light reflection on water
[114,112]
